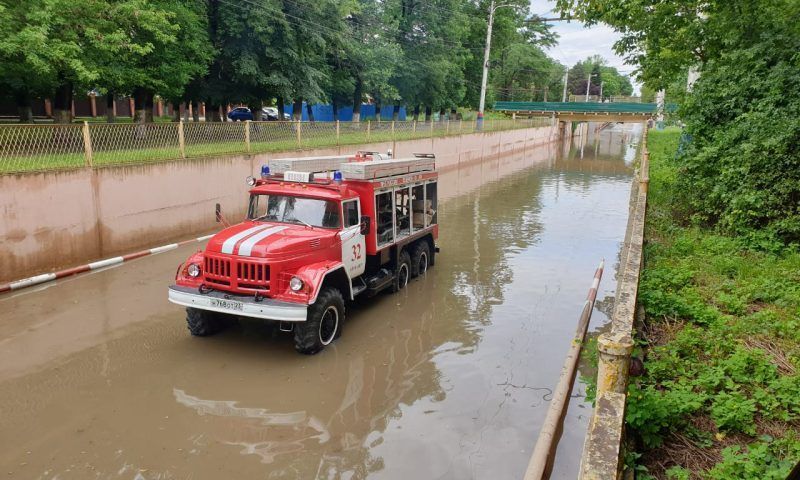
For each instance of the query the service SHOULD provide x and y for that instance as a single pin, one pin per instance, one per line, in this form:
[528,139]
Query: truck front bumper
[244,306]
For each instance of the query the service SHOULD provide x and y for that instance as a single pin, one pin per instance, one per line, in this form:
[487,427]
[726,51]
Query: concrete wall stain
[58,219]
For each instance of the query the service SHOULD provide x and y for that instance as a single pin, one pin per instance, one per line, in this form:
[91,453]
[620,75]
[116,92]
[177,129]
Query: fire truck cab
[319,232]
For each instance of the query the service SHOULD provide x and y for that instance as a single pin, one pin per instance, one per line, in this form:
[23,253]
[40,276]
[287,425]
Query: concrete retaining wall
[59,219]
[603,451]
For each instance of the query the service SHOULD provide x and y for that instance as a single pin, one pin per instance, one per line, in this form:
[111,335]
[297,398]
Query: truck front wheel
[203,323]
[323,325]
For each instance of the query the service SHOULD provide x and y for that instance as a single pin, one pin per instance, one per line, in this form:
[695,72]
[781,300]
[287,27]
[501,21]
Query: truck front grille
[252,275]
[236,274]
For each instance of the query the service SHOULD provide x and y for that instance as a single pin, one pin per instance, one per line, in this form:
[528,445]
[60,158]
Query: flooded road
[450,378]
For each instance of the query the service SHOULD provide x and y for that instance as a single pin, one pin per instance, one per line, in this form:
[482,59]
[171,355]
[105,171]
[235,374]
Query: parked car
[240,114]
[270,114]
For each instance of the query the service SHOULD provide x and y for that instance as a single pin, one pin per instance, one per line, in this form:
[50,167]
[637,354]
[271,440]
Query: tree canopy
[392,52]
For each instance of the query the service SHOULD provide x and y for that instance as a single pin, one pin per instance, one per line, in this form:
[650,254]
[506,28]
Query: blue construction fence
[324,113]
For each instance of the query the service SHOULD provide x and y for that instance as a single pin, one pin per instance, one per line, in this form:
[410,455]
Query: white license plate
[227,304]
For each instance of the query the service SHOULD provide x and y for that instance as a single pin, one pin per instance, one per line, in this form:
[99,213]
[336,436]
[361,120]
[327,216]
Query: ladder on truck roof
[372,169]
[307,164]
[319,164]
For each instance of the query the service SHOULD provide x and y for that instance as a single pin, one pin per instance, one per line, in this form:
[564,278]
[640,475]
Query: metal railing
[37,148]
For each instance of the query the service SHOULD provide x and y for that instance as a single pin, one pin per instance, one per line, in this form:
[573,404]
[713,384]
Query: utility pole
[482,103]
[588,83]
[533,91]
[564,95]
[545,93]
[601,92]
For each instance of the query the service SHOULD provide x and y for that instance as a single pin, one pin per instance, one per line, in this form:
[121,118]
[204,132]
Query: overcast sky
[577,42]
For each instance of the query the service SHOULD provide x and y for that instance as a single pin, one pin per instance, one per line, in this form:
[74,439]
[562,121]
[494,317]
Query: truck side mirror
[365,223]
[218,213]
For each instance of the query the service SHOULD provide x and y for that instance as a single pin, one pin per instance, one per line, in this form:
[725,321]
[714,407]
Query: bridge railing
[578,107]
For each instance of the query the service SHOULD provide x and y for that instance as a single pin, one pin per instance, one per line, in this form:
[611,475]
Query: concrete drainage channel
[602,457]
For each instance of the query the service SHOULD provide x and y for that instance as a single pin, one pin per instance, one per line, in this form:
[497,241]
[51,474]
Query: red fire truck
[319,232]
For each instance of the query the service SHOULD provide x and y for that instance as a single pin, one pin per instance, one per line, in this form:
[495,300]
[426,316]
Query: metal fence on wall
[36,148]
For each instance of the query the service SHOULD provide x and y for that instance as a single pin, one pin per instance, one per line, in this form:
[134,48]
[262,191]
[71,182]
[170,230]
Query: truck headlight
[296,284]
[193,270]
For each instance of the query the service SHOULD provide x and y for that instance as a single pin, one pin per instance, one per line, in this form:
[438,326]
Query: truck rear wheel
[323,325]
[420,258]
[402,273]
[203,323]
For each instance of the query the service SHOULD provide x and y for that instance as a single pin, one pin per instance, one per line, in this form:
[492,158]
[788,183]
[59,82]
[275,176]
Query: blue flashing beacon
[264,171]
[337,176]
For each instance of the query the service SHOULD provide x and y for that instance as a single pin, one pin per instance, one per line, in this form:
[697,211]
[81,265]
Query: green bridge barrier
[581,107]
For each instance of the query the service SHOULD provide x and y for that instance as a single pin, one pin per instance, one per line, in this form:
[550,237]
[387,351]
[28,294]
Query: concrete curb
[48,277]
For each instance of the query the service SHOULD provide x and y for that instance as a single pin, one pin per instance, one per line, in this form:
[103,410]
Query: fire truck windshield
[297,210]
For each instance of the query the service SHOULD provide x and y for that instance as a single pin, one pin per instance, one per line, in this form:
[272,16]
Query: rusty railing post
[394,142]
[247,135]
[87,145]
[614,359]
[644,174]
[181,139]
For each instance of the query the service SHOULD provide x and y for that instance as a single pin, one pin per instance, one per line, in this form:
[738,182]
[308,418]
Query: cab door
[354,249]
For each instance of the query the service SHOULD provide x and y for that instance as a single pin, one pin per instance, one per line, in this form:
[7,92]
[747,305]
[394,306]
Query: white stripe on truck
[230,243]
[246,248]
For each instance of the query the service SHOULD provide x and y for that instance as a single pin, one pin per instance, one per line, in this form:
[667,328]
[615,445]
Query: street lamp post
[482,104]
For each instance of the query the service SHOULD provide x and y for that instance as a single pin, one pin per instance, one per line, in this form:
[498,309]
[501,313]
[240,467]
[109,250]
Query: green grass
[281,137]
[720,397]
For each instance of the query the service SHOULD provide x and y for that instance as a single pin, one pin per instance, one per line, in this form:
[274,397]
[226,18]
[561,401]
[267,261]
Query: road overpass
[582,111]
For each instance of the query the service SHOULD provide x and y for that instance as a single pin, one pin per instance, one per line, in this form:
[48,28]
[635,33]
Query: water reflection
[451,377]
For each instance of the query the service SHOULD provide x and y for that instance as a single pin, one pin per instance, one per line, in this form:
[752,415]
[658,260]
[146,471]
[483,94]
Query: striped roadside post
[541,462]
[47,277]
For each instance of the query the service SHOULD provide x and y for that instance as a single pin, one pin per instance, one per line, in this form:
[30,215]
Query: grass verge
[720,394]
[41,148]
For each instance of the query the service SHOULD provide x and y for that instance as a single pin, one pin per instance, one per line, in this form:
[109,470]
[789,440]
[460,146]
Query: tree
[368,54]
[174,49]
[512,28]
[50,43]
[119,46]
[614,83]
[523,68]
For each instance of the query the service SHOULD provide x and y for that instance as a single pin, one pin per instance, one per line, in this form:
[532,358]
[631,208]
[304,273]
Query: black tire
[402,273]
[420,258]
[203,323]
[323,325]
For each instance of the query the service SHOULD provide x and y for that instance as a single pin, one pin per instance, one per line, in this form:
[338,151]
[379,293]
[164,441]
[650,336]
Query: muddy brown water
[450,378]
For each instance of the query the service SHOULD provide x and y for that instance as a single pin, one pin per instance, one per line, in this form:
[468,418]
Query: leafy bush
[721,300]
[741,170]
[766,459]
